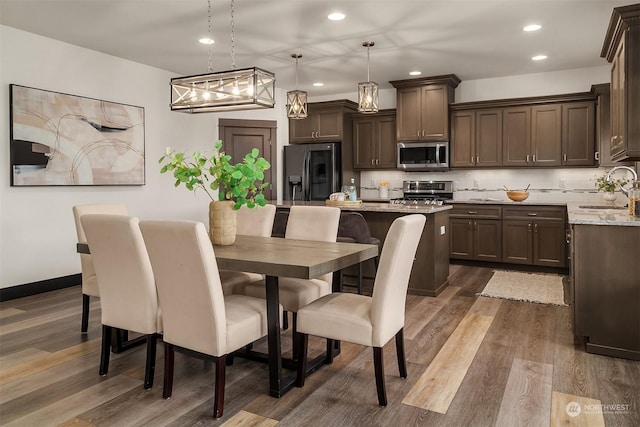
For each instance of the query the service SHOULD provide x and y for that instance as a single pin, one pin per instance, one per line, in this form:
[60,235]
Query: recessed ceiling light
[539,57]
[318,84]
[206,40]
[532,27]
[336,16]
[415,73]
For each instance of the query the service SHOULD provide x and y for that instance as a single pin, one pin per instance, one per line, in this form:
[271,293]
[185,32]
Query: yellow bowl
[518,196]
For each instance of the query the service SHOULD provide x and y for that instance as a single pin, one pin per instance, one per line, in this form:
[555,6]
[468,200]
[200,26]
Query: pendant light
[232,90]
[297,99]
[368,91]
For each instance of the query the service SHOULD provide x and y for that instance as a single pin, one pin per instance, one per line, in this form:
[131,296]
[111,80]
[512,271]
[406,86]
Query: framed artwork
[61,139]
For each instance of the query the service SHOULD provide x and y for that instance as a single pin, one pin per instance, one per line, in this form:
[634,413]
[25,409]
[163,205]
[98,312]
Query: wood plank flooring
[485,362]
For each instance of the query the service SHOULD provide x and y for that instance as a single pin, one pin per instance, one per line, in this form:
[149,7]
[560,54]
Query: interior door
[241,136]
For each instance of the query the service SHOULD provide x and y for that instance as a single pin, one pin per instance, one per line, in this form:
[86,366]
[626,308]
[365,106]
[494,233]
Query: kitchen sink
[601,207]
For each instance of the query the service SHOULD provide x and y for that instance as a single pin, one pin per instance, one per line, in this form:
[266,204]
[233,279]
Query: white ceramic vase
[609,197]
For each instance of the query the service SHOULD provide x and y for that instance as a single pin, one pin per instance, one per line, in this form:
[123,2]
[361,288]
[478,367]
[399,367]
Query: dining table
[279,257]
[276,257]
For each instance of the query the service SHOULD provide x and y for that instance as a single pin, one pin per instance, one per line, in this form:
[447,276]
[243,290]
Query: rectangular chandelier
[297,104]
[242,89]
[368,97]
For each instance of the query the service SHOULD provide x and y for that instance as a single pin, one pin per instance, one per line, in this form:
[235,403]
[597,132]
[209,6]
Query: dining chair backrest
[318,223]
[392,277]
[88,271]
[125,277]
[353,226]
[256,221]
[188,285]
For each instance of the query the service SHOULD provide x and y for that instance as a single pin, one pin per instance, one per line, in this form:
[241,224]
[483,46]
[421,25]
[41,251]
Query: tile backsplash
[545,184]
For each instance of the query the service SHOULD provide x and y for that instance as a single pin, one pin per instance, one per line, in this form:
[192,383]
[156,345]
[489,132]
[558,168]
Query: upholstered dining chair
[318,223]
[256,221]
[198,318]
[89,282]
[369,321]
[128,295]
[353,228]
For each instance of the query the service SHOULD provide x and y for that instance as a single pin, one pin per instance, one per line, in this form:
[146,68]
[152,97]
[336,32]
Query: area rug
[529,287]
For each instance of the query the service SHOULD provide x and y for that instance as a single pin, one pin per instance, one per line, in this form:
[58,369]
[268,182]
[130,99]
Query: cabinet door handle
[527,158]
[535,228]
[469,225]
[475,225]
[568,236]
[377,161]
[423,133]
[473,212]
[564,157]
[471,159]
[534,158]
[418,133]
[529,226]
[372,162]
[532,214]
[597,155]
[478,159]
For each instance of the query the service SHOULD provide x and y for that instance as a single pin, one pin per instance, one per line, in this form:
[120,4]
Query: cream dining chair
[318,223]
[369,321]
[128,295]
[198,318]
[89,282]
[256,221]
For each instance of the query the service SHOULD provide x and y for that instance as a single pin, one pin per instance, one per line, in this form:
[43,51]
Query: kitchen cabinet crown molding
[622,18]
[532,100]
[385,112]
[449,79]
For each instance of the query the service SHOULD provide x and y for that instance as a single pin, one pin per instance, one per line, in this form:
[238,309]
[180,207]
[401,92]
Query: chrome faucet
[630,169]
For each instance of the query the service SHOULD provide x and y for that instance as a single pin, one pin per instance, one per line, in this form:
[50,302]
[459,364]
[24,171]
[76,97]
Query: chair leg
[303,341]
[294,329]
[329,357]
[402,363]
[285,320]
[86,300]
[106,350]
[218,399]
[360,279]
[169,356]
[378,364]
[150,365]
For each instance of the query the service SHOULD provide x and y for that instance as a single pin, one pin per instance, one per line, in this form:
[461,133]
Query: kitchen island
[605,280]
[430,272]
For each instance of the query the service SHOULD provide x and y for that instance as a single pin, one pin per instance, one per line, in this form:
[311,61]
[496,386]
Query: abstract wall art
[61,139]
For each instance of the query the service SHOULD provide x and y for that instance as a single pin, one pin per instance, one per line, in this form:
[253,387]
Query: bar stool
[353,228]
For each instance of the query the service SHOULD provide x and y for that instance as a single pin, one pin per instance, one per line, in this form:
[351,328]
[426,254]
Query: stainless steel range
[425,193]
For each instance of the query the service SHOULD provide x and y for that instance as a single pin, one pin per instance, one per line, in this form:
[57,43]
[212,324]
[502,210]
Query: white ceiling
[474,39]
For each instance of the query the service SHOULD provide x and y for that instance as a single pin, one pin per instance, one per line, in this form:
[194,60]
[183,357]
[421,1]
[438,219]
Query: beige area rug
[529,287]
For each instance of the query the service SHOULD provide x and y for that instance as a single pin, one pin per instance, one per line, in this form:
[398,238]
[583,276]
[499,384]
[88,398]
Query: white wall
[37,232]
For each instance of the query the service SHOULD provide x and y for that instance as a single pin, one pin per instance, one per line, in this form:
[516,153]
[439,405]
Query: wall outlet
[442,230]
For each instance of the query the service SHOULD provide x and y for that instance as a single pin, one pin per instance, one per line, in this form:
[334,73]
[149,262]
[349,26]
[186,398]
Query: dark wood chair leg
[105,352]
[329,357]
[218,399]
[229,359]
[360,279]
[150,365]
[169,356]
[303,341]
[294,329]
[378,364]
[402,363]
[285,320]
[86,300]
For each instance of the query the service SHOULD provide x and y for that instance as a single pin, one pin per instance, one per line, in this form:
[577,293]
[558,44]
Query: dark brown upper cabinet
[603,126]
[478,138]
[374,140]
[325,122]
[622,49]
[423,107]
[578,134]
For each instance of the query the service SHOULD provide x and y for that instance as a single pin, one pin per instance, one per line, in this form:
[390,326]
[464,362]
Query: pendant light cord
[368,78]
[210,64]
[233,37]
[296,72]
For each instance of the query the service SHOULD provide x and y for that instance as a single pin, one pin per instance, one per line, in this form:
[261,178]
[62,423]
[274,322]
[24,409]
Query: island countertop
[373,207]
[618,215]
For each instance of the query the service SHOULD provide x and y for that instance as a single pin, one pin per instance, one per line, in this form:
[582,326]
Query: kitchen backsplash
[556,185]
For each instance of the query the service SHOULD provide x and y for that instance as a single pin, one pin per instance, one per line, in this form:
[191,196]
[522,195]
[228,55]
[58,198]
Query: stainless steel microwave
[423,156]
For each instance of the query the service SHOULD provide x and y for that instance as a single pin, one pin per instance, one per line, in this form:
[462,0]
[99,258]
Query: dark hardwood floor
[472,361]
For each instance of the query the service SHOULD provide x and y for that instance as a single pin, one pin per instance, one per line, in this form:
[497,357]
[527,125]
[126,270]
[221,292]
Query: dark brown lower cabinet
[534,235]
[475,232]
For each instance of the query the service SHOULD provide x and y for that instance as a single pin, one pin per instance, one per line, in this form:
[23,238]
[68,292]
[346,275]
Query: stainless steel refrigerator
[311,171]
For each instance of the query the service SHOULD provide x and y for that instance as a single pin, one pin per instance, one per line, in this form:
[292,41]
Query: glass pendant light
[368,91]
[296,99]
[235,89]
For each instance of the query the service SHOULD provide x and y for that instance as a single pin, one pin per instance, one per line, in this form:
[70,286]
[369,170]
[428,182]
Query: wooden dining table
[278,257]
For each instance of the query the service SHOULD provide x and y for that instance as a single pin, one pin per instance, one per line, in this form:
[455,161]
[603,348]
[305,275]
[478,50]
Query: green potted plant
[609,186]
[237,185]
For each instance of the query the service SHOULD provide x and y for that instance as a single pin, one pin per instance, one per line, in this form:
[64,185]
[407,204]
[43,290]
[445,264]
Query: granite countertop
[618,215]
[375,207]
